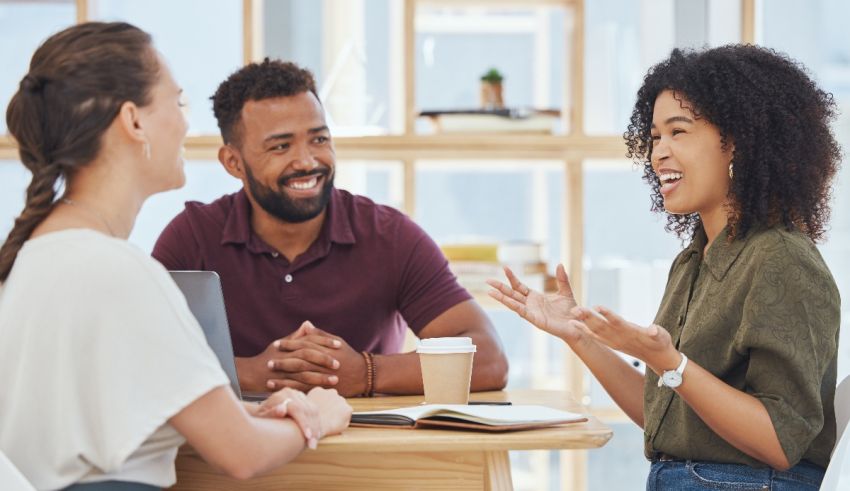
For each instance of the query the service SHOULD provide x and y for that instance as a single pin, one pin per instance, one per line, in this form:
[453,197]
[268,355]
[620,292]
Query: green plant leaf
[492,75]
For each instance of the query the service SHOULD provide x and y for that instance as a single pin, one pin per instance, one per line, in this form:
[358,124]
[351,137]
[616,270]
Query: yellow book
[471,252]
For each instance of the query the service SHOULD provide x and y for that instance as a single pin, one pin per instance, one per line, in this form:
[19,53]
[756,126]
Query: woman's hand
[651,344]
[550,312]
[319,413]
[334,410]
[291,403]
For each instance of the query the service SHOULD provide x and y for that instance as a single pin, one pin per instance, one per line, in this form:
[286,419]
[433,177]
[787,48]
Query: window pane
[536,358]
[617,270]
[623,38]
[463,201]
[353,48]
[23,27]
[206,181]
[456,45]
[627,257]
[380,181]
[200,54]
[815,34]
[508,202]
[626,260]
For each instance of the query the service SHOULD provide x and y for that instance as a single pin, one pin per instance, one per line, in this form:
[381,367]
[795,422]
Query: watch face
[672,379]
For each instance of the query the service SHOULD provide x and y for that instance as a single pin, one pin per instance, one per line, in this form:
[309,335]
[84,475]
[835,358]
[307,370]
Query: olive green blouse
[762,314]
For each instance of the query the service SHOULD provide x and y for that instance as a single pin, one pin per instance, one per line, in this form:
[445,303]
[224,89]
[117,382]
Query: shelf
[453,146]
[483,145]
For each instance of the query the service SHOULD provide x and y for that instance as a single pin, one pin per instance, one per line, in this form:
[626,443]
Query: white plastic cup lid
[445,345]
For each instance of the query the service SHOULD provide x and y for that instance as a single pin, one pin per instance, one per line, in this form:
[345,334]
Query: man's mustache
[318,171]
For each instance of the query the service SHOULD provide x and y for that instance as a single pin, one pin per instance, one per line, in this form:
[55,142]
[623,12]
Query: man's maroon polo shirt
[369,274]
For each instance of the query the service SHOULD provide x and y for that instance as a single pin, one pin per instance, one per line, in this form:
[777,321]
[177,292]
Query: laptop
[202,290]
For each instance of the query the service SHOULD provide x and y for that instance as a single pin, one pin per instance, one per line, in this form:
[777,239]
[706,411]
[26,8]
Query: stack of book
[474,264]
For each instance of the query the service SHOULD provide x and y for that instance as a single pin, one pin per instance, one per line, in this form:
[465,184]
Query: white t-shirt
[98,349]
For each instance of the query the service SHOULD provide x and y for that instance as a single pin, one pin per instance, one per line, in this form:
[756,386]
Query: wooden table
[388,458]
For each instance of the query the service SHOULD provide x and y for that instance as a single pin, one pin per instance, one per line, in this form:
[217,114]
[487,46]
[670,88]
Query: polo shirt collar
[237,226]
[338,220]
[722,253]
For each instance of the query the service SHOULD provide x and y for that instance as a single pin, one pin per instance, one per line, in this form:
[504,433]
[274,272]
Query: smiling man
[320,285]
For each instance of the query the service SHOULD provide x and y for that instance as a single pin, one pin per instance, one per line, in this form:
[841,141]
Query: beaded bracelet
[370,375]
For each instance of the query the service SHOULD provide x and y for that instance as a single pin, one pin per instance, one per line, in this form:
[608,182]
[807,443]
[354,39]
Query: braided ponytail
[41,193]
[77,81]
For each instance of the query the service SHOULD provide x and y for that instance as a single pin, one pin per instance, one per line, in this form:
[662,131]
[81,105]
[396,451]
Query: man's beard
[277,202]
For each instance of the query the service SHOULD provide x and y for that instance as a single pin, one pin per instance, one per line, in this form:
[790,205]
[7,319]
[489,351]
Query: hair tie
[32,83]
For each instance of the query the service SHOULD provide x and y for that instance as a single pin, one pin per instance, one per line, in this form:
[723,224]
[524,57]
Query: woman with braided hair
[104,370]
[736,146]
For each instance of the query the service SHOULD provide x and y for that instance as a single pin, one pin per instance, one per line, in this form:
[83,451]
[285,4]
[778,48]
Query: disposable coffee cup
[446,369]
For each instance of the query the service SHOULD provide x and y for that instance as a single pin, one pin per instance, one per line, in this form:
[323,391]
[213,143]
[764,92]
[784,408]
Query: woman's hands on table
[319,413]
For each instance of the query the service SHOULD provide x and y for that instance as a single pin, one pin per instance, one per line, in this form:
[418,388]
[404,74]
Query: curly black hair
[785,155]
[254,82]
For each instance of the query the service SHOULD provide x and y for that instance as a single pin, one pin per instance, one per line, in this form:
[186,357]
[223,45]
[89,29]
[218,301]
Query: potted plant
[491,89]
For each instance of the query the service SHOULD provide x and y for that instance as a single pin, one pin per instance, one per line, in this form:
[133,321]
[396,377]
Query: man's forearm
[489,365]
[397,374]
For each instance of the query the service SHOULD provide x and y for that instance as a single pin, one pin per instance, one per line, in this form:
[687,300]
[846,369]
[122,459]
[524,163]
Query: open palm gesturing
[548,311]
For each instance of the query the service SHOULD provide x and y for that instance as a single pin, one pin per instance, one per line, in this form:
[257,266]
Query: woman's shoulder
[780,244]
[81,244]
[780,235]
[779,252]
[84,266]
[91,256]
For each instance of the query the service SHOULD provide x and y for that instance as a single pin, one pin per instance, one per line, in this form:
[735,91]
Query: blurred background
[532,177]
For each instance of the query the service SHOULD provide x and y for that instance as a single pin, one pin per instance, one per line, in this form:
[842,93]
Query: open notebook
[485,418]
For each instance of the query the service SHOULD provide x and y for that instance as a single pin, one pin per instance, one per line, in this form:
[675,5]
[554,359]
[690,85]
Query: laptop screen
[202,290]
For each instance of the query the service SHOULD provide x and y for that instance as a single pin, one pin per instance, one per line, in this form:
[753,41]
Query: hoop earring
[731,173]
[146,150]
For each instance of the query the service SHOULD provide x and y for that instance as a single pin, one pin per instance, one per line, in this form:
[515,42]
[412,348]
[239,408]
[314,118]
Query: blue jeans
[691,475]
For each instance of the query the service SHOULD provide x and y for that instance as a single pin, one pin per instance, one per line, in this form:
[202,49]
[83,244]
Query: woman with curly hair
[736,146]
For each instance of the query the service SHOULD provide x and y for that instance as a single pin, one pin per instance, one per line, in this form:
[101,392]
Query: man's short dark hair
[255,82]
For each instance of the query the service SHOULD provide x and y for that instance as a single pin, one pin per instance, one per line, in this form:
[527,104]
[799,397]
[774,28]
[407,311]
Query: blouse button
[288,278]
[275,254]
